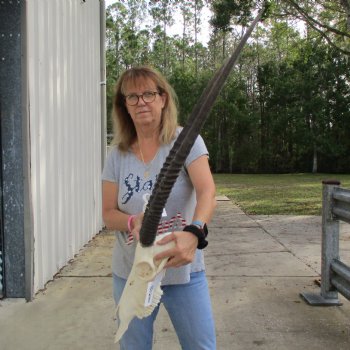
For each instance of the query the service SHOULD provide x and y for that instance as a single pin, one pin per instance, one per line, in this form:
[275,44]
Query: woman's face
[144,114]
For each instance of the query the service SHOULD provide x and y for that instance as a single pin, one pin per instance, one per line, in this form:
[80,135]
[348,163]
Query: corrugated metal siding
[65,129]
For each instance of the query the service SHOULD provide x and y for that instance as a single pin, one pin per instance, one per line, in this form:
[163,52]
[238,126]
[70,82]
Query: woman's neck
[147,135]
[146,145]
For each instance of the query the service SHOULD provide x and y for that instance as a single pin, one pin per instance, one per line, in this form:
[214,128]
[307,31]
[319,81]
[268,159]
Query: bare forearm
[205,207]
[116,220]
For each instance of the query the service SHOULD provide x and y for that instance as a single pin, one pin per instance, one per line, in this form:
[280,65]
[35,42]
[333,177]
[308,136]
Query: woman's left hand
[184,251]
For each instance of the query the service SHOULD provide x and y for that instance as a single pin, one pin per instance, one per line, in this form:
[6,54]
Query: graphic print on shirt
[134,184]
[176,223]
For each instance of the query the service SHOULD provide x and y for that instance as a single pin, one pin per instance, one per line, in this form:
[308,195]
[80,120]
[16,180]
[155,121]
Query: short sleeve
[198,149]
[112,167]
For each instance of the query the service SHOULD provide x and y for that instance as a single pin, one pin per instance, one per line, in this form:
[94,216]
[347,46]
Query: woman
[145,124]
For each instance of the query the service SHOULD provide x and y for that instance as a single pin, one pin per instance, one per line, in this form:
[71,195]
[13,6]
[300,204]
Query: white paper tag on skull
[151,286]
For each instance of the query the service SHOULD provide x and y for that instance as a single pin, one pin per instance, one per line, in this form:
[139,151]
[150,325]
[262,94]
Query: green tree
[162,14]
[330,19]
[285,106]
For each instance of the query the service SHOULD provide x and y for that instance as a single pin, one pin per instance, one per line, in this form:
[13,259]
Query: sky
[177,27]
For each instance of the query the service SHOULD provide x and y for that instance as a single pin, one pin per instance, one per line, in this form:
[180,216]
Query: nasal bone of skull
[145,270]
[147,267]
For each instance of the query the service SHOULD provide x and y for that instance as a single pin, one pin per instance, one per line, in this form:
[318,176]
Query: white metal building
[52,102]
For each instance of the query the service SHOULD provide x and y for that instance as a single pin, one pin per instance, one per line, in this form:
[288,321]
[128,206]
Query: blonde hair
[123,125]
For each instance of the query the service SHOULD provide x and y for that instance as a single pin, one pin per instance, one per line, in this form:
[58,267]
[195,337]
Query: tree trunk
[231,154]
[314,161]
[183,40]
[165,47]
[195,39]
[346,5]
[218,153]
[117,43]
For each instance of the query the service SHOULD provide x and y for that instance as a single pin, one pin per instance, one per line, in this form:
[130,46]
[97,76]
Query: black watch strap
[200,233]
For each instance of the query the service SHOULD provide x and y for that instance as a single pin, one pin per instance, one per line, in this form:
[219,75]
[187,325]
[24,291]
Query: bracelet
[200,233]
[130,219]
[198,223]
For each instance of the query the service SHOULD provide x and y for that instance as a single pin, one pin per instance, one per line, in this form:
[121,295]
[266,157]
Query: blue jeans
[189,308]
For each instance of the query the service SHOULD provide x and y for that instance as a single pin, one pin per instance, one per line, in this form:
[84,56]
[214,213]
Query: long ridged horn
[182,146]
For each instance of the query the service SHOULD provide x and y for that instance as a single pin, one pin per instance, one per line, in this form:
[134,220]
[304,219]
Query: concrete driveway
[256,268]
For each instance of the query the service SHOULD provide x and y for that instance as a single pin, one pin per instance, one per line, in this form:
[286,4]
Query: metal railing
[335,275]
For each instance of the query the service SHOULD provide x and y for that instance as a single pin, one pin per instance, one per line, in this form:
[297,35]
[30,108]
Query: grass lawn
[295,194]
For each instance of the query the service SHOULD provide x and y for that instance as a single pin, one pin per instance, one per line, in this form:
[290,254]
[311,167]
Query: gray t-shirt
[136,181]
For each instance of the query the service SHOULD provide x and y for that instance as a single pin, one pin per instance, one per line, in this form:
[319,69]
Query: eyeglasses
[147,97]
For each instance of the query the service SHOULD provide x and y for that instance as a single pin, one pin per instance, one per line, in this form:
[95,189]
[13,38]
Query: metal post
[330,249]
[28,223]
[330,241]
[12,147]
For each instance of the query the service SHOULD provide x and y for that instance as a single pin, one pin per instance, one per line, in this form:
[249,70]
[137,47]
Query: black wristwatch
[200,230]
